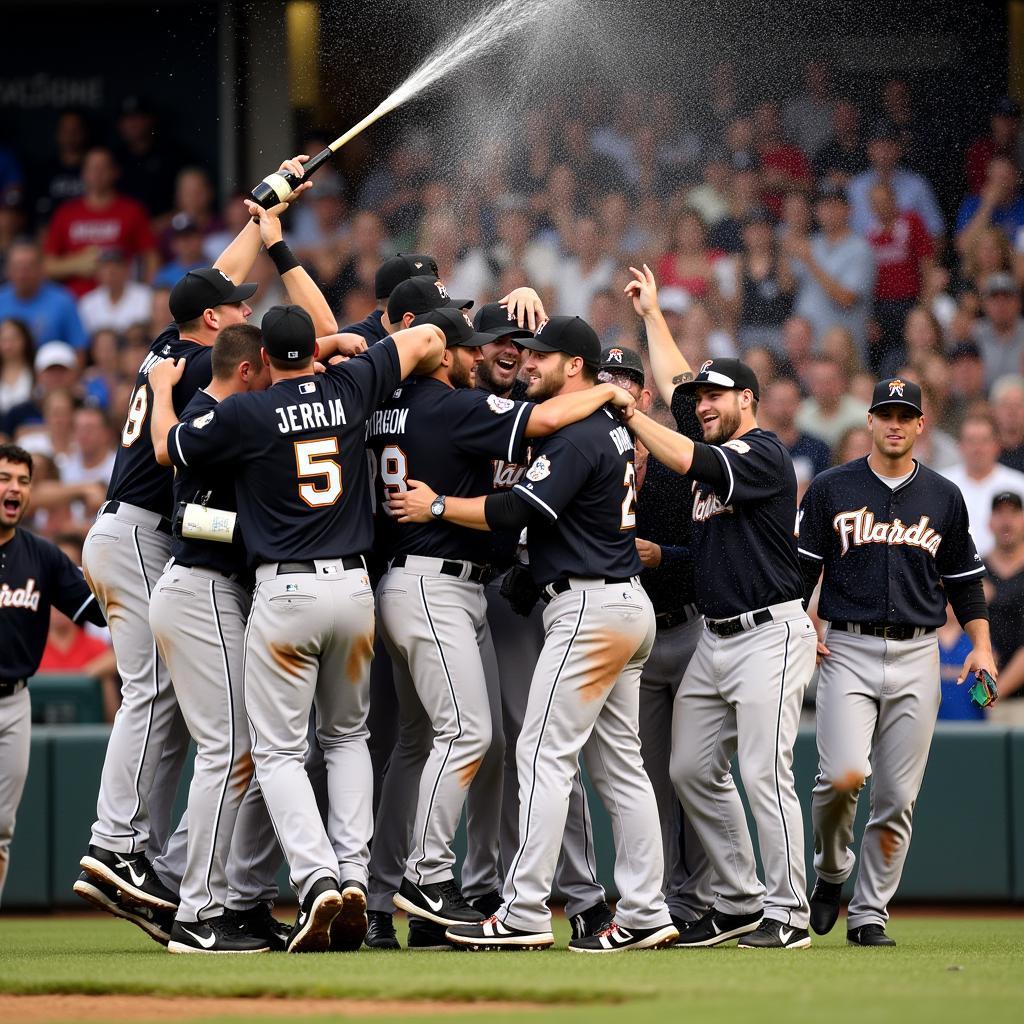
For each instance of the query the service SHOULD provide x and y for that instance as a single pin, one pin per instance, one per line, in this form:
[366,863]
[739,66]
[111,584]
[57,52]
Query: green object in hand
[983,691]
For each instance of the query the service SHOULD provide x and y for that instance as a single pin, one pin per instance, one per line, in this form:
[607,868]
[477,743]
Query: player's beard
[485,380]
[547,385]
[725,426]
[460,374]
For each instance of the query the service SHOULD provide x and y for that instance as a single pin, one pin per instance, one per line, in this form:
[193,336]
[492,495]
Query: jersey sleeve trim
[548,510]
[728,470]
[84,605]
[811,554]
[177,444]
[516,436]
[962,575]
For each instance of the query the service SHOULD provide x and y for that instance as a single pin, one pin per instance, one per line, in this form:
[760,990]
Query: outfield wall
[968,825]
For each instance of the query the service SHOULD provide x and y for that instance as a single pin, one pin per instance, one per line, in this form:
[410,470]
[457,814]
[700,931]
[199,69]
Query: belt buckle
[889,632]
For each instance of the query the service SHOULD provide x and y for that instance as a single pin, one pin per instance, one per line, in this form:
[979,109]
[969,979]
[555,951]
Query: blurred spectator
[967,381]
[903,248]
[148,164]
[596,173]
[607,314]
[798,342]
[935,294]
[914,135]
[1004,139]
[739,138]
[366,249]
[517,248]
[811,113]
[466,275]
[187,251]
[765,363]
[1004,588]
[999,204]
[853,443]
[587,271]
[744,199]
[193,205]
[777,412]
[117,302]
[842,157]
[988,253]
[830,409]
[17,353]
[58,408]
[723,96]
[912,191]
[784,167]
[59,176]
[835,270]
[391,189]
[763,287]
[47,308]
[980,476]
[91,460]
[1008,411]
[56,369]
[934,447]
[234,216]
[698,338]
[104,370]
[922,337]
[271,291]
[797,216]
[102,218]
[711,197]
[322,230]
[954,647]
[690,264]
[838,344]
[1000,333]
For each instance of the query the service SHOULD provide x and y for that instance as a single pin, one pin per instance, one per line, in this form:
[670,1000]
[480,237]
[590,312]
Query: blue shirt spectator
[47,308]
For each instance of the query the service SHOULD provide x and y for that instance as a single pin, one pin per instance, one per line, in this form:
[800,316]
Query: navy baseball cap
[896,391]
[400,267]
[571,335]
[1008,498]
[288,334]
[204,289]
[494,319]
[458,328]
[724,373]
[619,360]
[421,294]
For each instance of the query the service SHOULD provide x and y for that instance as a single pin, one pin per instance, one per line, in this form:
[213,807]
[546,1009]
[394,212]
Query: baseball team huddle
[413,569]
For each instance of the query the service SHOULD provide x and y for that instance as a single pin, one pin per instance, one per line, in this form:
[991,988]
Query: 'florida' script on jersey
[21,597]
[860,527]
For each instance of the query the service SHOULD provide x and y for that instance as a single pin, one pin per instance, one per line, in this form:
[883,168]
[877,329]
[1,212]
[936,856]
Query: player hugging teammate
[458,501]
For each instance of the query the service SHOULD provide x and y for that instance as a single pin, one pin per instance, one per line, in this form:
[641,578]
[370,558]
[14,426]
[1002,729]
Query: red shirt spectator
[901,243]
[784,166]
[101,219]
[71,652]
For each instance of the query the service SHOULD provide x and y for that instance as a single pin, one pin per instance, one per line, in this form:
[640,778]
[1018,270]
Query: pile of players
[460,546]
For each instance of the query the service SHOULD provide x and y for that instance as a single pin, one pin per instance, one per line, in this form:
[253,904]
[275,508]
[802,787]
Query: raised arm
[668,364]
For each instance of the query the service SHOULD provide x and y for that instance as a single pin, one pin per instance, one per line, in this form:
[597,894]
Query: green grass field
[945,969]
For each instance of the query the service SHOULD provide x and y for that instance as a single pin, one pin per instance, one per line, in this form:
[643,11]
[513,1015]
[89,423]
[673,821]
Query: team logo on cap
[499,405]
[418,265]
[540,327]
[225,276]
[707,366]
[896,388]
[439,285]
[540,470]
[615,355]
[465,316]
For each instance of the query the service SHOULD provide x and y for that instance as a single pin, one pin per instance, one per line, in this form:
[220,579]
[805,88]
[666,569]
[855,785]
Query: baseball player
[744,685]
[34,575]
[124,555]
[431,601]
[304,510]
[577,501]
[893,542]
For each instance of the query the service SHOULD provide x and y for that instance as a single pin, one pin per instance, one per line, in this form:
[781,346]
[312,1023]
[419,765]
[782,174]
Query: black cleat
[440,902]
[492,934]
[259,921]
[772,934]
[380,931]
[714,928]
[156,924]
[869,935]
[426,935]
[214,936]
[591,921]
[825,905]
[616,939]
[311,932]
[349,928]
[132,874]
[488,904]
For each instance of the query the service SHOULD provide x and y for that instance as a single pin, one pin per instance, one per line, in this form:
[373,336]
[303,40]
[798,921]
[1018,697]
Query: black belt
[730,627]
[552,590]
[884,630]
[348,562]
[164,526]
[9,687]
[666,620]
[449,567]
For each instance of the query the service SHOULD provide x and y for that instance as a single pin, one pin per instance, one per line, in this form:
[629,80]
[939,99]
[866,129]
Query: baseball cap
[999,284]
[1008,498]
[571,335]
[458,328]
[494,319]
[55,353]
[624,361]
[203,289]
[725,373]
[400,267]
[420,294]
[288,333]
[896,391]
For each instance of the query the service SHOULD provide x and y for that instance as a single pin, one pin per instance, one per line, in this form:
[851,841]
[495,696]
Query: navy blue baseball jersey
[885,552]
[35,574]
[372,328]
[744,525]
[137,477]
[213,490]
[582,481]
[455,440]
[296,450]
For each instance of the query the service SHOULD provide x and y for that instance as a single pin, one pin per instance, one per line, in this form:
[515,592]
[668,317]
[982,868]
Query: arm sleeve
[372,375]
[214,437]
[811,572]
[557,473]
[506,511]
[967,599]
[813,526]
[490,426]
[71,594]
[751,468]
[958,559]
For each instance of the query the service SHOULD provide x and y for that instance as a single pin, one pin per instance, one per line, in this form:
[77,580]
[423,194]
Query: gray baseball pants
[15,743]
[309,641]
[687,868]
[743,694]
[585,695]
[876,707]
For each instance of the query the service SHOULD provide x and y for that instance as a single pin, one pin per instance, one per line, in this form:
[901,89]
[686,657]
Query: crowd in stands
[806,233]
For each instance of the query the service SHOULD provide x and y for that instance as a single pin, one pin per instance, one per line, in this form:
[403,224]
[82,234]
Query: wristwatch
[437,507]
